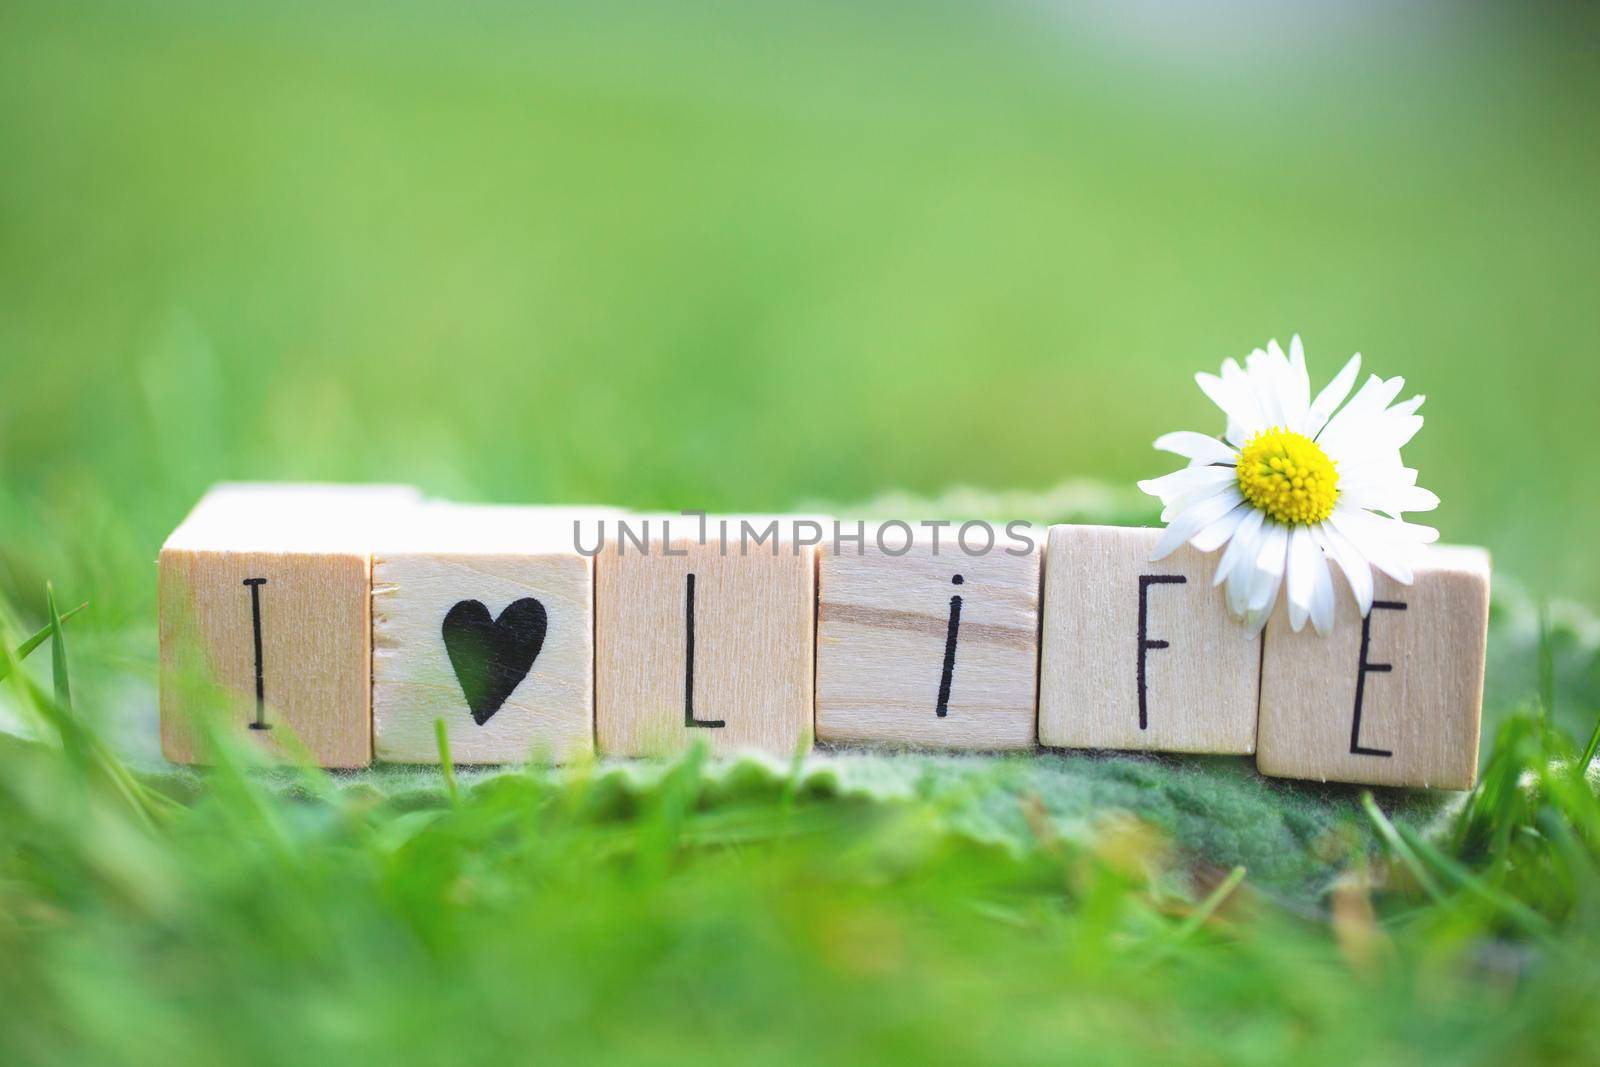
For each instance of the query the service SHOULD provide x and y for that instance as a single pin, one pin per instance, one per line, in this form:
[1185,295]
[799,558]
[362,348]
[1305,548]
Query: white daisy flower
[1296,482]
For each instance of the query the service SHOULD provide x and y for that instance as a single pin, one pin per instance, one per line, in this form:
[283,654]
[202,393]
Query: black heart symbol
[491,657]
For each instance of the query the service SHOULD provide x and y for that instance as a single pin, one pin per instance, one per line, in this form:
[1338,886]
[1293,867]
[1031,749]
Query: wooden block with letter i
[1392,699]
[939,650]
[265,601]
[697,642]
[483,617]
[1141,655]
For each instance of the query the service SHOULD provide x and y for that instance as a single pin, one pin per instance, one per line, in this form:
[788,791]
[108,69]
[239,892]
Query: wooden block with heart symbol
[1141,655]
[701,642]
[1392,699]
[930,647]
[483,616]
[265,598]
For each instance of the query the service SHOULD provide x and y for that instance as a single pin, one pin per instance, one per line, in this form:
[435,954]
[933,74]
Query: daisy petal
[1197,447]
[1270,561]
[1195,519]
[1392,500]
[1263,596]
[1303,556]
[1177,505]
[1236,403]
[1349,425]
[1357,571]
[1378,544]
[1217,534]
[1299,384]
[1242,547]
[1267,373]
[1322,598]
[1332,395]
[1187,480]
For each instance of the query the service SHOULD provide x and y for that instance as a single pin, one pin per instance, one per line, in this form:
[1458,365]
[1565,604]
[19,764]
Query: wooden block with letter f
[1392,699]
[705,639]
[1141,655]
[265,601]
[483,618]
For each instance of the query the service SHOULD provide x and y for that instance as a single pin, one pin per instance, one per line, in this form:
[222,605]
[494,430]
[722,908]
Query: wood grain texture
[496,556]
[883,629]
[752,656]
[1423,711]
[311,544]
[1200,687]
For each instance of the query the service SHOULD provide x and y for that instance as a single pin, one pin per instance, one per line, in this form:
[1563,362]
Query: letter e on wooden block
[1392,699]
[483,616]
[265,599]
[930,650]
[1141,655]
[695,643]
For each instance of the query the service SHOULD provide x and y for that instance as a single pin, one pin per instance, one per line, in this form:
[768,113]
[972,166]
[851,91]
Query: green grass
[851,907]
[755,258]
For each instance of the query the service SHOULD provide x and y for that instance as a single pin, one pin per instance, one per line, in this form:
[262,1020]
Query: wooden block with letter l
[1392,699]
[697,642]
[265,602]
[939,650]
[1141,655]
[483,616]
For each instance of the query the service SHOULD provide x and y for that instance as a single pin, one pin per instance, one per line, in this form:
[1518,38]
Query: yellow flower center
[1288,476]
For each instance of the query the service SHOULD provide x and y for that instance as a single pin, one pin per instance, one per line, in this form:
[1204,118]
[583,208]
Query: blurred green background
[741,256]
[747,257]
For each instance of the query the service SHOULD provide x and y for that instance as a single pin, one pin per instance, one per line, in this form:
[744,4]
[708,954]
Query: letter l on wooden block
[694,644]
[1392,699]
[1141,655]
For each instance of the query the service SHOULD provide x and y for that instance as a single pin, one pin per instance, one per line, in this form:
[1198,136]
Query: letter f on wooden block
[265,618]
[695,643]
[1141,655]
[1392,699]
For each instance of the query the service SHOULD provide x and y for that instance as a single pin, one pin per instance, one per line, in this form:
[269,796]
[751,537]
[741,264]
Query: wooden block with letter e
[265,600]
[1141,655]
[697,642]
[483,616]
[1392,699]
[937,650]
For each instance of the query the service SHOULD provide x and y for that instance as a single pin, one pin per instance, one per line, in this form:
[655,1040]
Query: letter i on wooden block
[265,598]
[483,616]
[1392,699]
[1141,655]
[697,643]
[917,648]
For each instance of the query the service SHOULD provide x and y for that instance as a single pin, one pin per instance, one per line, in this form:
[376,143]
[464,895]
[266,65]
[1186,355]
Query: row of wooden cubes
[352,619]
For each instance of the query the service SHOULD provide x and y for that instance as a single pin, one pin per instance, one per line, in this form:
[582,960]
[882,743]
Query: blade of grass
[1547,666]
[58,651]
[24,650]
[1519,913]
[1590,749]
[446,765]
[1398,846]
[1214,900]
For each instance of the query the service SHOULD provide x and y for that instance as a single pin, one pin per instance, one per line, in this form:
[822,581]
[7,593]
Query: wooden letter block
[1393,699]
[484,617]
[1141,655]
[265,604]
[694,643]
[940,651]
